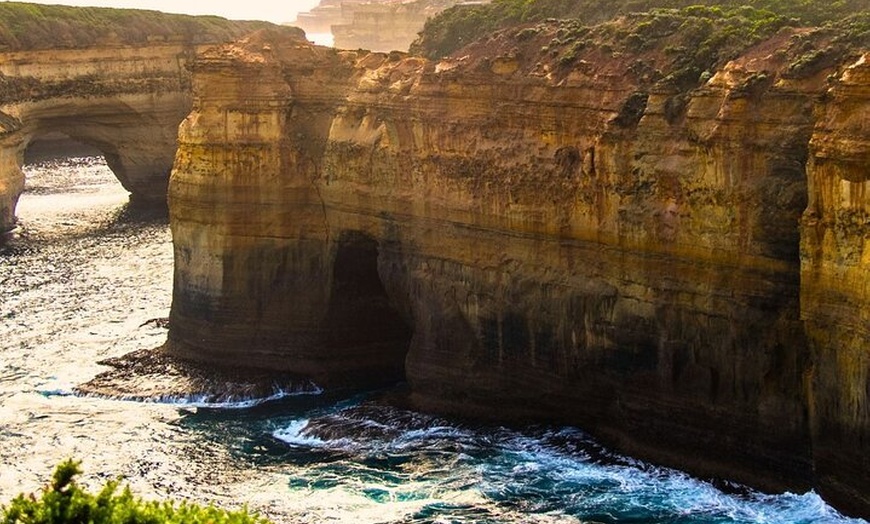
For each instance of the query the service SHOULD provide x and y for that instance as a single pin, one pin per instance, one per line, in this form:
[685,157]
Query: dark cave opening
[365,326]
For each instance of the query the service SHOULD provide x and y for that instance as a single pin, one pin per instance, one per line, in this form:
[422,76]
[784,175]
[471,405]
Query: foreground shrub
[63,501]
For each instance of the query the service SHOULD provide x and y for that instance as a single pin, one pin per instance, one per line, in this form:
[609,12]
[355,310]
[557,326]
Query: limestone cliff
[835,285]
[116,80]
[525,234]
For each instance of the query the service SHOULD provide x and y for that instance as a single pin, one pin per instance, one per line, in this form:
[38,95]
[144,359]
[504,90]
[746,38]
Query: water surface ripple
[84,278]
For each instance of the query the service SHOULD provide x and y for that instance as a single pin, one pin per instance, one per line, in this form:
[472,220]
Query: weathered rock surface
[835,293]
[522,239]
[150,375]
[125,99]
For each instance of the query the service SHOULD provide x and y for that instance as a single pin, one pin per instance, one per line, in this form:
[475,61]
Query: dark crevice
[362,321]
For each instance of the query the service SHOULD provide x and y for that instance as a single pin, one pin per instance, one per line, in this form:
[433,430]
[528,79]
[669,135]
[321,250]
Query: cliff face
[835,275]
[385,27]
[123,92]
[527,239]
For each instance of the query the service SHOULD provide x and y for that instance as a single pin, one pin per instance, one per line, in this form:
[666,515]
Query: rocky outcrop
[127,102]
[524,236]
[323,16]
[123,97]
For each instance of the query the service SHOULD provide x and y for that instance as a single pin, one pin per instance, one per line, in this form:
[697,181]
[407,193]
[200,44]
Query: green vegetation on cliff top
[63,501]
[726,21]
[25,26]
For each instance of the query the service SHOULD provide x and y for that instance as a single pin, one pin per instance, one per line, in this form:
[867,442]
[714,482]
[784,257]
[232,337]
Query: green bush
[695,37]
[64,502]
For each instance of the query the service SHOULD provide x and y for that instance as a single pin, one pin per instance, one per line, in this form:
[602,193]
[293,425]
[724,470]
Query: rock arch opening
[77,172]
[56,145]
[67,186]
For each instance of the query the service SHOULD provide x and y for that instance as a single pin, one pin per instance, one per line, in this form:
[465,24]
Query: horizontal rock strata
[124,98]
[520,239]
[835,293]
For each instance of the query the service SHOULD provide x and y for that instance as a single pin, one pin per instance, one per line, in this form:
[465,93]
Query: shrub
[63,501]
[527,34]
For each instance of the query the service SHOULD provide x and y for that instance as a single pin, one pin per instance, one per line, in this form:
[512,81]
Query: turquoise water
[363,455]
[82,278]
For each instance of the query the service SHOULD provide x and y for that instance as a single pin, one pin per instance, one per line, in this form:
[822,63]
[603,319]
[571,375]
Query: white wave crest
[294,435]
[205,400]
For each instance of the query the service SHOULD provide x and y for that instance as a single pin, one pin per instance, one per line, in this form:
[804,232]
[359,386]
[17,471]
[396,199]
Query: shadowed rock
[151,375]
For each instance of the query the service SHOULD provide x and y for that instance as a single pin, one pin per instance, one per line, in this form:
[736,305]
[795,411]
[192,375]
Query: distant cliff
[378,25]
[655,228]
[113,79]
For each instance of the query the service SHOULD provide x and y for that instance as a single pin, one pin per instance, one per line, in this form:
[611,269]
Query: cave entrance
[366,328]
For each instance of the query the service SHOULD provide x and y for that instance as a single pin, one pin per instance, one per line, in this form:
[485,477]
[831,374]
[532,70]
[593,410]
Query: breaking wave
[221,398]
[460,473]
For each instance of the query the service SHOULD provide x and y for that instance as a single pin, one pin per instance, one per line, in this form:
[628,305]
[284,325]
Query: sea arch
[132,120]
[122,85]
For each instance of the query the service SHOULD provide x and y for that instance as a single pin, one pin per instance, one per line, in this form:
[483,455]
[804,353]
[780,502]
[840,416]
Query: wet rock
[152,375]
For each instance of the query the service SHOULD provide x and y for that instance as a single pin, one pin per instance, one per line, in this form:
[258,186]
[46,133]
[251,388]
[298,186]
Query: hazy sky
[277,11]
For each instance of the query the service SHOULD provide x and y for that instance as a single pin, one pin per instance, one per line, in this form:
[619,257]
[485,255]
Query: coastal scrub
[64,501]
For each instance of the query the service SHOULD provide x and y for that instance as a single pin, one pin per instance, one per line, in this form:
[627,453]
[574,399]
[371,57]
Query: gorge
[535,232]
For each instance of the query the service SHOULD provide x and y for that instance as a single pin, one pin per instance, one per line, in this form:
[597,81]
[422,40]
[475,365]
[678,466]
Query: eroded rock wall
[125,100]
[571,244]
[245,194]
[835,297]
[566,250]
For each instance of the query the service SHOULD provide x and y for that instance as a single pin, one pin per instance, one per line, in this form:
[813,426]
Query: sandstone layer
[835,292]
[125,98]
[521,238]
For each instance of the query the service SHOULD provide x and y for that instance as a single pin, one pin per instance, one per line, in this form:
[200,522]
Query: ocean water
[85,277]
